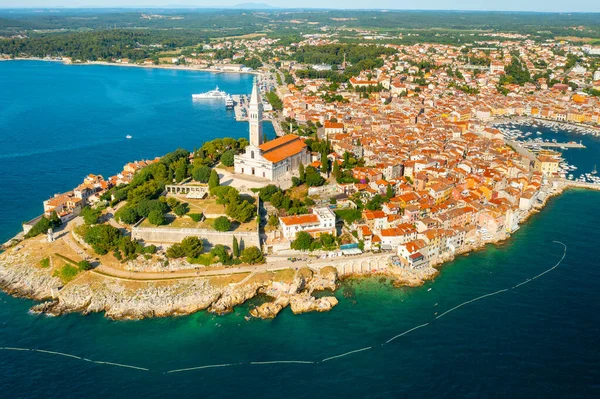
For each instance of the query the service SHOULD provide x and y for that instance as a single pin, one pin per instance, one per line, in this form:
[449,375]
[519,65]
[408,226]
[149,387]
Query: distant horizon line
[276,8]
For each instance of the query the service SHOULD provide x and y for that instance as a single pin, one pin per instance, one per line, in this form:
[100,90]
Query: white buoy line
[210,366]
[6,348]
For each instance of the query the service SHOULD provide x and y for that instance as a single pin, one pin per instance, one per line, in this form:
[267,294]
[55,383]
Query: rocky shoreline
[126,299]
[122,299]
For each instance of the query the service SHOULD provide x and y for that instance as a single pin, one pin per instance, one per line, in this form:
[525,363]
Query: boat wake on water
[211,366]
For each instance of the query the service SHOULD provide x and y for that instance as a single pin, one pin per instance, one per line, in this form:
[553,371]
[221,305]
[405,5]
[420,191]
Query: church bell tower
[255,111]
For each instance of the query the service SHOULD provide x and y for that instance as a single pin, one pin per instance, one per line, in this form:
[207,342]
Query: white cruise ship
[215,94]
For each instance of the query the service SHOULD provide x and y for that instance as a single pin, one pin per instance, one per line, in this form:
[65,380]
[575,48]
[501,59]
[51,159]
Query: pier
[552,145]
[577,184]
[238,107]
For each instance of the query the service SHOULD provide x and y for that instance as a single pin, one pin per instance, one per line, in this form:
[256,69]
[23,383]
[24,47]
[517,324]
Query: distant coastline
[160,66]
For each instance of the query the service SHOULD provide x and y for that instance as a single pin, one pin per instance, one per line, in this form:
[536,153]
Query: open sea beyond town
[516,319]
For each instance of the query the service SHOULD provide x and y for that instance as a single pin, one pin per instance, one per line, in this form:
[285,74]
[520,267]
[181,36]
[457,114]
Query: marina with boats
[534,136]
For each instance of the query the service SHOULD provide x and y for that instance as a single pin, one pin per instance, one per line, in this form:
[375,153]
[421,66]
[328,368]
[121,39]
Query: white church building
[274,160]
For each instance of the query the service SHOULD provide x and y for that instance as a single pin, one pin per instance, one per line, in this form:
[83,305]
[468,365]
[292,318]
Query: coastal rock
[302,303]
[326,280]
[17,278]
[233,296]
[134,300]
[269,310]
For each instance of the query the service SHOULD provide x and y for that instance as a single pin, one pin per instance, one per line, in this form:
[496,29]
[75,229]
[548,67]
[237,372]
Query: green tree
[313,177]
[303,241]
[336,170]
[145,206]
[180,170]
[221,252]
[389,191]
[327,240]
[252,256]
[128,215]
[103,238]
[273,220]
[181,209]
[227,158]
[375,203]
[267,192]
[156,217]
[192,246]
[242,211]
[235,247]
[175,251]
[301,172]
[213,181]
[222,223]
[127,246]
[201,173]
[90,215]
[172,202]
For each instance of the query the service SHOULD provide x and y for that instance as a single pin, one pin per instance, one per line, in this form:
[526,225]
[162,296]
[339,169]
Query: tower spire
[255,110]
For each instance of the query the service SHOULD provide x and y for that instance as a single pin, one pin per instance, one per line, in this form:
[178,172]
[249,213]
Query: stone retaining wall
[167,235]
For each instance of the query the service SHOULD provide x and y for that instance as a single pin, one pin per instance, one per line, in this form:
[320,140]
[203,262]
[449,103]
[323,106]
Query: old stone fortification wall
[166,235]
[357,265]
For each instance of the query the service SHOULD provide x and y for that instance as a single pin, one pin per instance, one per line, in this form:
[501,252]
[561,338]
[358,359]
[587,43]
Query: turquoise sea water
[537,340]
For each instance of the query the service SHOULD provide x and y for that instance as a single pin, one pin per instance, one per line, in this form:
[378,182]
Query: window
[252,155]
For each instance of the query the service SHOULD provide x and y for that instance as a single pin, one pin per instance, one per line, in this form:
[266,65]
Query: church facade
[274,160]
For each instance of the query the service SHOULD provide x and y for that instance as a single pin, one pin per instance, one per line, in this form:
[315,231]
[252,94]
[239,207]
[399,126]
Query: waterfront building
[321,221]
[275,160]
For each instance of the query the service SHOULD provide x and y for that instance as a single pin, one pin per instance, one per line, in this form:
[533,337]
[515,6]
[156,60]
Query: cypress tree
[389,191]
[301,173]
[336,169]
[235,248]
[213,180]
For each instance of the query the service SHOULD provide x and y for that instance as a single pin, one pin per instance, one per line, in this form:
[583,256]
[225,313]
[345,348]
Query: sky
[505,5]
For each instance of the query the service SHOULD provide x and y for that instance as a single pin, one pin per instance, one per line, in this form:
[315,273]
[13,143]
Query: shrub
[175,251]
[45,263]
[252,255]
[150,249]
[222,223]
[192,247]
[196,217]
[348,215]
[84,265]
[181,209]
[172,202]
[42,226]
[66,273]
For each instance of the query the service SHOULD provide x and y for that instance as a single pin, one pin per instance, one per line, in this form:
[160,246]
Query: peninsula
[390,160]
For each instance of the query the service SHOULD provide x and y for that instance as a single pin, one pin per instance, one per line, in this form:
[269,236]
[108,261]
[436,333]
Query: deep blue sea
[540,339]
